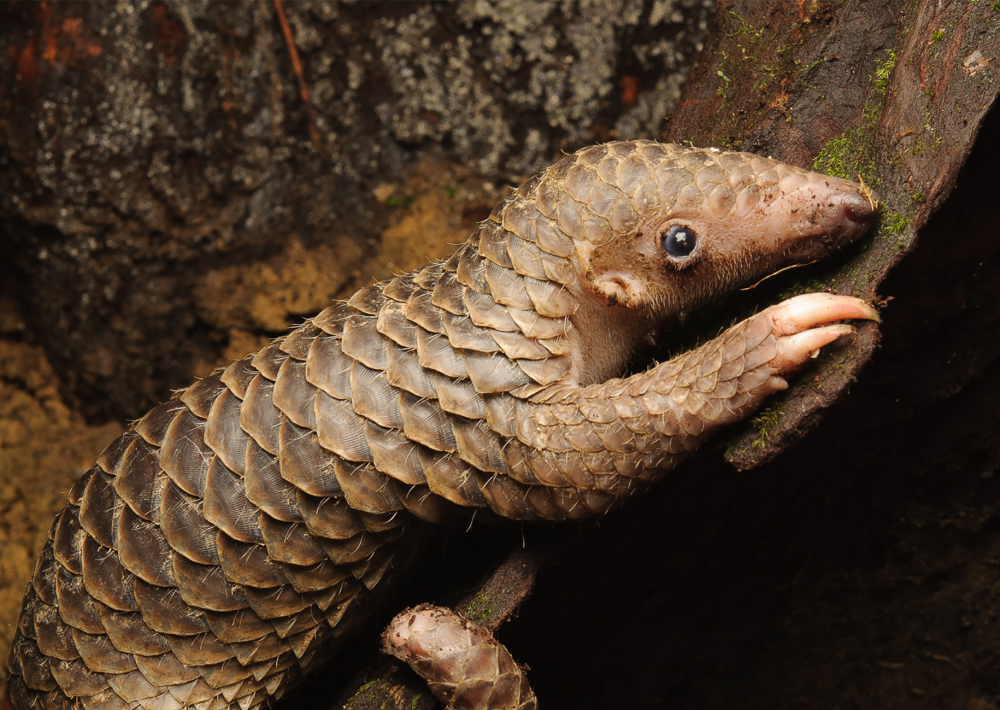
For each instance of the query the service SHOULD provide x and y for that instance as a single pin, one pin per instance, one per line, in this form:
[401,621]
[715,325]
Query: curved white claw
[812,309]
[799,325]
[794,350]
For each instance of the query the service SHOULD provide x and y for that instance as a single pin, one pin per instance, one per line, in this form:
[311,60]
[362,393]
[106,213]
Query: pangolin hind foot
[464,665]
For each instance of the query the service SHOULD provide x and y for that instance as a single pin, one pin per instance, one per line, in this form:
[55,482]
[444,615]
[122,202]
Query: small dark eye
[679,241]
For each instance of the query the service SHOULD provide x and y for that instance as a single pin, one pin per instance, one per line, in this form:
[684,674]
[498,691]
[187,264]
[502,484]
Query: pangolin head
[662,228]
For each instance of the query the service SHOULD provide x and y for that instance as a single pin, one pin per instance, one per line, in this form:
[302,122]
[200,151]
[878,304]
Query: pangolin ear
[619,288]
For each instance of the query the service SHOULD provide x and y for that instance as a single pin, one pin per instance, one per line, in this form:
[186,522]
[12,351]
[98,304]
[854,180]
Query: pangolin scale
[218,547]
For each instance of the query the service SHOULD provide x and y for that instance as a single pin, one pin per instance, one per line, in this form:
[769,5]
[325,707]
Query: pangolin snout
[860,209]
[822,216]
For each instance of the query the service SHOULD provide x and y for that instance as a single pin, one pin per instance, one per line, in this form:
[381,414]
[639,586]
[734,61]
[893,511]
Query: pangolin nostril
[853,216]
[860,209]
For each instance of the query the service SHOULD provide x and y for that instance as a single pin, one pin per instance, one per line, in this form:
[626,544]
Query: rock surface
[152,150]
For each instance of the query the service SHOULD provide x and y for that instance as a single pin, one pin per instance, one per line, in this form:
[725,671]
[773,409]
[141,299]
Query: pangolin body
[217,548]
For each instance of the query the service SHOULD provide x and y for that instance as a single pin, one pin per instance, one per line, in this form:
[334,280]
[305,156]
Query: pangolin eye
[679,241]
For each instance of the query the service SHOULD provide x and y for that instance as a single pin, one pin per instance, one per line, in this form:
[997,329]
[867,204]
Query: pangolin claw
[812,309]
[799,326]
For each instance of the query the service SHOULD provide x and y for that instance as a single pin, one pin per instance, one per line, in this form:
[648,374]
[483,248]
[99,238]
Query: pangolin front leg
[653,418]
[217,549]
[640,426]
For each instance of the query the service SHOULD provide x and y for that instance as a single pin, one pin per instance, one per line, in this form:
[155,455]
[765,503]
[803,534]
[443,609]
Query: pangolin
[218,548]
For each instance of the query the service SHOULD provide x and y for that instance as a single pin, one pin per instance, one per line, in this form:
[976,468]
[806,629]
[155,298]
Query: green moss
[851,154]
[362,690]
[835,158]
[481,608]
[765,423]
[876,102]
[937,36]
[893,226]
[743,28]
[854,155]
[811,286]
[883,69]
[414,700]
[840,363]
[814,88]
[811,65]
[922,147]
[895,223]
[749,60]
[451,191]
[848,156]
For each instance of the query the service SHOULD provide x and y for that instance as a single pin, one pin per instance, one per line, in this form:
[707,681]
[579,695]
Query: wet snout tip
[861,208]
